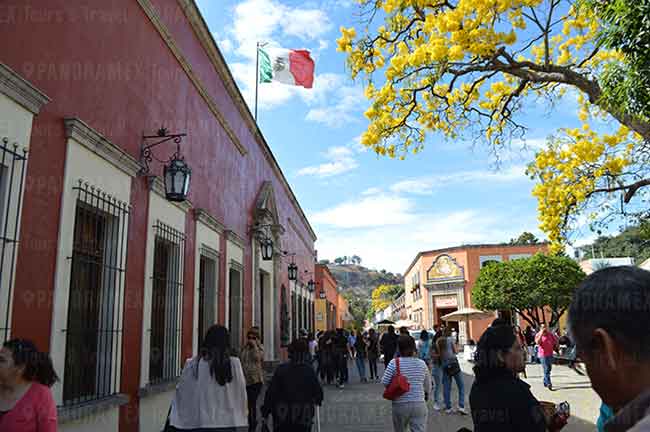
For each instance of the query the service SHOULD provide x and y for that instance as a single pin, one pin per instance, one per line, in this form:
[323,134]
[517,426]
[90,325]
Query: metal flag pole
[257,71]
[257,75]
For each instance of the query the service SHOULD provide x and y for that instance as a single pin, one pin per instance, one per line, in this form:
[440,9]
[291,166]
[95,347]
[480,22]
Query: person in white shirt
[211,392]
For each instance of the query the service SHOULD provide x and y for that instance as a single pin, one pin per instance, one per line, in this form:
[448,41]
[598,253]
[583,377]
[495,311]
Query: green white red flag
[287,66]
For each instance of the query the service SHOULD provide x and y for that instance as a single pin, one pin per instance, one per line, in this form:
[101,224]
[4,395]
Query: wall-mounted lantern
[293,272]
[267,249]
[176,172]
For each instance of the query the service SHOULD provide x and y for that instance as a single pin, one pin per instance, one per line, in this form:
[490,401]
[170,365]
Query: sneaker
[436,406]
[462,411]
[449,411]
[550,387]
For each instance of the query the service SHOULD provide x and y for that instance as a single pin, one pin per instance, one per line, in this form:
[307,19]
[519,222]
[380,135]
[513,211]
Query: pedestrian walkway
[360,407]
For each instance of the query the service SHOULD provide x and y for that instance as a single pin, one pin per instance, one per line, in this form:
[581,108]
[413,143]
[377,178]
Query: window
[207,290]
[94,322]
[294,316]
[490,259]
[12,175]
[235,317]
[166,307]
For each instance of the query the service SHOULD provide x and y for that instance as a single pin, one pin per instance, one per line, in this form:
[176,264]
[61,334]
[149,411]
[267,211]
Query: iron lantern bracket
[146,153]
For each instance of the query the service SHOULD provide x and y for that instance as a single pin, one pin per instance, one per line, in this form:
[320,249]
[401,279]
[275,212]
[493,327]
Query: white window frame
[19,103]
[172,215]
[93,159]
[208,237]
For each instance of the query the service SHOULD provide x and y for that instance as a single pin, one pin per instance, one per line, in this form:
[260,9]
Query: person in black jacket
[500,401]
[294,392]
[388,345]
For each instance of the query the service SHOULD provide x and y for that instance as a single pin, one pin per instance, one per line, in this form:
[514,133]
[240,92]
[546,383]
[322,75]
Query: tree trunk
[526,318]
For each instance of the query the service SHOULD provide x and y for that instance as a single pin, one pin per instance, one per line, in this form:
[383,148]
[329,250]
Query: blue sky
[383,210]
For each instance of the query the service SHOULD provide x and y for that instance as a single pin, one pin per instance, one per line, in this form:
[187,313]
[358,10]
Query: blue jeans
[436,374]
[547,364]
[446,390]
[361,367]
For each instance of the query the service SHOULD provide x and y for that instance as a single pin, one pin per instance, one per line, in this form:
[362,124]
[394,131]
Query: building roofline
[465,247]
[327,269]
[238,99]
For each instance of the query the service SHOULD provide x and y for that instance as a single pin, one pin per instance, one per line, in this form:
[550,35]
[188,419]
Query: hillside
[361,280]
[633,241]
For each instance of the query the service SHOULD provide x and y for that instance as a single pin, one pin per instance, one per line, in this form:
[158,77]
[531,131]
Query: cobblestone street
[360,407]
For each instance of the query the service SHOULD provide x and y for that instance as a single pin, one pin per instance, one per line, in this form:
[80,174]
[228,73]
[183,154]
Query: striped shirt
[417,374]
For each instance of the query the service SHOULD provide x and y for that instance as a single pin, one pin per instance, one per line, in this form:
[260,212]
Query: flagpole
[257,75]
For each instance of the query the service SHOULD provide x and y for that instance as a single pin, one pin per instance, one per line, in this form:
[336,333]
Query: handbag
[453,368]
[398,385]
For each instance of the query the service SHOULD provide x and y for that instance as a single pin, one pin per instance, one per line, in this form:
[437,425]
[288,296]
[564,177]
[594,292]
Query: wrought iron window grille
[96,298]
[12,167]
[166,304]
[207,289]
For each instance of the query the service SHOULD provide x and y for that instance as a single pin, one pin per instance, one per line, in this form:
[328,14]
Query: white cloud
[323,45]
[427,185]
[370,211]
[349,100]
[271,21]
[371,191]
[304,23]
[392,244]
[225,45]
[340,160]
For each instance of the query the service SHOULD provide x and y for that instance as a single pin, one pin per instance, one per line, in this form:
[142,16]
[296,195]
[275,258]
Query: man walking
[388,345]
[608,319]
[546,341]
[341,353]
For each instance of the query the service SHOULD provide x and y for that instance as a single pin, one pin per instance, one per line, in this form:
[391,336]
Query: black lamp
[293,272]
[176,173]
[267,249]
[310,285]
[322,294]
[177,179]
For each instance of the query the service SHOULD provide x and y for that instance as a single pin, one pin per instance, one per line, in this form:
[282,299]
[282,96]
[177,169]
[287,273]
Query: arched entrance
[266,273]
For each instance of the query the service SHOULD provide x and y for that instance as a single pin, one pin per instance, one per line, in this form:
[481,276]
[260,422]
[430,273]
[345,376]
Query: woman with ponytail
[26,375]
[211,394]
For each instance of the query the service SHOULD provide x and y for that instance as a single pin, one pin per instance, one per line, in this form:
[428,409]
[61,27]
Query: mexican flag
[286,66]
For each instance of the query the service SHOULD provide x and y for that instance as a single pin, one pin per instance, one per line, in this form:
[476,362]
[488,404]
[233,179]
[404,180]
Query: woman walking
[451,370]
[436,369]
[326,357]
[424,347]
[409,410]
[26,375]
[500,401]
[211,393]
[373,354]
[294,392]
[361,352]
[251,357]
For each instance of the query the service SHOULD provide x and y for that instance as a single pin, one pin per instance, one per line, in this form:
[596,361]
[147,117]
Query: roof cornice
[211,49]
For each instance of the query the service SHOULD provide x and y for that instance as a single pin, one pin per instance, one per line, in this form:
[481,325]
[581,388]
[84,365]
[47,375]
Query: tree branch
[631,189]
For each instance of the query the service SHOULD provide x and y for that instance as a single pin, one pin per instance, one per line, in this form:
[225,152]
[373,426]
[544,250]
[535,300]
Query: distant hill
[361,280]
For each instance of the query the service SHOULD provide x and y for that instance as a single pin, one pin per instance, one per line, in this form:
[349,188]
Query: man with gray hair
[609,319]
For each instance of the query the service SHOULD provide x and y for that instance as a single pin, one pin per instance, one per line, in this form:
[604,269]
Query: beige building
[439,282]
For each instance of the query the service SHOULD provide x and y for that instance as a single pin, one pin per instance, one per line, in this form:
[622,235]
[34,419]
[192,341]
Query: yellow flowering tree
[466,66]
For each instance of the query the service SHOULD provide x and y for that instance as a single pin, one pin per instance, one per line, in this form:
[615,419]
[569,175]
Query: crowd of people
[219,389]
